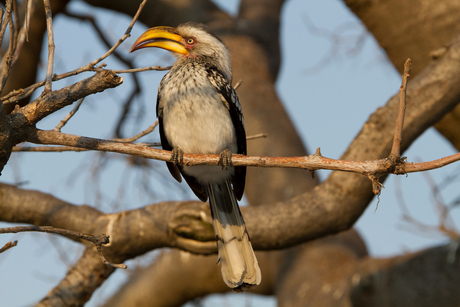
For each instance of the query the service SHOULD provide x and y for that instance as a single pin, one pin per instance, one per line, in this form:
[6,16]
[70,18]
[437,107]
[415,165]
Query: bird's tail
[240,269]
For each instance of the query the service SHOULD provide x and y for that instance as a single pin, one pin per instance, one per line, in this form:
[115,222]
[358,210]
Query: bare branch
[238,84]
[51,47]
[28,12]
[24,32]
[138,136]
[312,162]
[2,11]
[98,241]
[17,95]
[128,71]
[256,136]
[396,149]
[47,149]
[80,282]
[53,101]
[7,59]
[125,140]
[413,167]
[14,96]
[8,245]
[121,40]
[69,116]
[5,19]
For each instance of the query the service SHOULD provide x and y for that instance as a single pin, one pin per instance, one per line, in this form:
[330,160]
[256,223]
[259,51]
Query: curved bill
[160,37]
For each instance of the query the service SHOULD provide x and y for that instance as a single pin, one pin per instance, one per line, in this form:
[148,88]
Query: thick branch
[96,240]
[80,282]
[417,29]
[24,71]
[163,12]
[312,162]
[400,281]
[339,201]
[56,100]
[261,20]
[16,126]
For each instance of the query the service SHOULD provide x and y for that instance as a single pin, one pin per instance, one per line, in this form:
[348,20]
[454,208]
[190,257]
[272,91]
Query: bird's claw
[177,156]
[225,158]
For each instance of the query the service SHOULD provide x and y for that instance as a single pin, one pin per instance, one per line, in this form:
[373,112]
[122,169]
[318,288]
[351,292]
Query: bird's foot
[177,156]
[225,158]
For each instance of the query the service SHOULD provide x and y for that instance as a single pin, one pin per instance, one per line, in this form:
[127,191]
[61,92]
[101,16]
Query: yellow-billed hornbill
[199,112]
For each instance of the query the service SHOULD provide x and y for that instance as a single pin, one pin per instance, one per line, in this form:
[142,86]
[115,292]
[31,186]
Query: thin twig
[127,106]
[138,136]
[128,71]
[16,20]
[256,136]
[98,241]
[51,47]
[237,85]
[121,40]
[24,32]
[69,116]
[28,12]
[136,89]
[8,245]
[2,11]
[446,223]
[5,19]
[100,34]
[7,60]
[17,95]
[396,148]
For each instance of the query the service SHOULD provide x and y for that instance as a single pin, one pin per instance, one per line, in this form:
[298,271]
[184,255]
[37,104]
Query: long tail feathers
[240,269]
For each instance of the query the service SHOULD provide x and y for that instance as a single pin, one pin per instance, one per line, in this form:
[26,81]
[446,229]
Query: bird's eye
[190,41]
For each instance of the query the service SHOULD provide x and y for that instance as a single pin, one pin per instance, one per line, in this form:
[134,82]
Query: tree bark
[285,211]
[24,71]
[416,29]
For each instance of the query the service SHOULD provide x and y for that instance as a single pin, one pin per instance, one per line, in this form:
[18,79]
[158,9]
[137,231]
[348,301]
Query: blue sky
[328,93]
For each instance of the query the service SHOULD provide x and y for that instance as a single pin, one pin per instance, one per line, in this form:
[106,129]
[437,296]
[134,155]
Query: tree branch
[7,59]
[395,150]
[80,282]
[51,47]
[313,162]
[8,245]
[56,100]
[341,199]
[98,241]
[17,95]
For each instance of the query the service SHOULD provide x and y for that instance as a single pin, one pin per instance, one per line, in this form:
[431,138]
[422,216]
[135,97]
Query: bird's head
[185,41]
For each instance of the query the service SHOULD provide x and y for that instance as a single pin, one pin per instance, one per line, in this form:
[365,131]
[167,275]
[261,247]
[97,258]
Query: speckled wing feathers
[230,99]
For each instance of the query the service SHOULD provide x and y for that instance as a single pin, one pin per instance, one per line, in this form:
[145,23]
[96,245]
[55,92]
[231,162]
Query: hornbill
[199,112]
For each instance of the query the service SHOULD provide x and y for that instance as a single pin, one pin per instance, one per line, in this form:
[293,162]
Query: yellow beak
[161,37]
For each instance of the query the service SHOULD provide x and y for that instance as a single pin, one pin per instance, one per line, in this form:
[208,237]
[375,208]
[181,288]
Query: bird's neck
[222,65]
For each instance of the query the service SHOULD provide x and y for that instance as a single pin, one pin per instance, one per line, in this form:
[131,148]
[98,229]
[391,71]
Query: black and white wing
[230,99]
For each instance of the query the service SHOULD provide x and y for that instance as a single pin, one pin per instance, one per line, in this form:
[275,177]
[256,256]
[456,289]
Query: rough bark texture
[402,281]
[86,275]
[17,126]
[285,209]
[415,29]
[24,70]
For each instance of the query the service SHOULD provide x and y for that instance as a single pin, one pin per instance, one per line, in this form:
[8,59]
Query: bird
[199,112]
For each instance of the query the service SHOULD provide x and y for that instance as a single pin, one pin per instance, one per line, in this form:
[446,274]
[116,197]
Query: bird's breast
[194,115]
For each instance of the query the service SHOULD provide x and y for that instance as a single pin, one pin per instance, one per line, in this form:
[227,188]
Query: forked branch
[98,241]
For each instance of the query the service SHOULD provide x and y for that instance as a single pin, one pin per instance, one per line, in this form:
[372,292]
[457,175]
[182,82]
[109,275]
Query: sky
[333,77]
